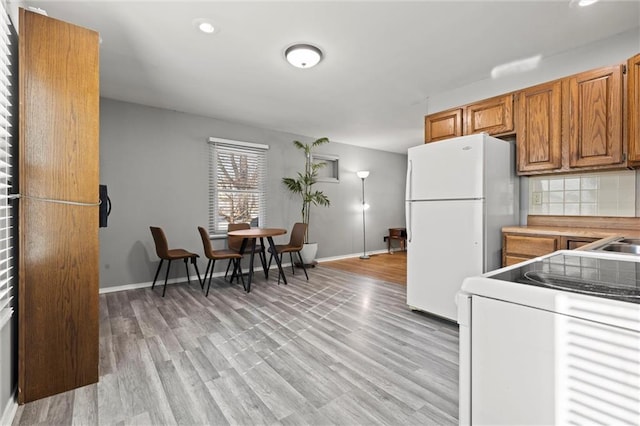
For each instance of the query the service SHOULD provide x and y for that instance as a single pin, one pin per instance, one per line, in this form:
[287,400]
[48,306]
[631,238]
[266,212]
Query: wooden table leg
[253,250]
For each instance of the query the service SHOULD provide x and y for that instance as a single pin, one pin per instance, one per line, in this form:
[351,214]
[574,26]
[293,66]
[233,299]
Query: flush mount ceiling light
[204,25]
[303,55]
[513,67]
[582,2]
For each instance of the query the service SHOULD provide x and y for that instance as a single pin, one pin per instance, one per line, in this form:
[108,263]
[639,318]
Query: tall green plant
[303,184]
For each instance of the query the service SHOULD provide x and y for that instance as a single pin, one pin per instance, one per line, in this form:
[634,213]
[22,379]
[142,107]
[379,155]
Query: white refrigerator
[460,192]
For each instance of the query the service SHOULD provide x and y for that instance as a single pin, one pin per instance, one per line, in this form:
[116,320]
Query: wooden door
[594,122]
[539,127]
[633,99]
[443,125]
[493,116]
[58,252]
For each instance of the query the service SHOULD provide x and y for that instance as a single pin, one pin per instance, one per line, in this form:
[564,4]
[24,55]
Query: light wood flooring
[337,349]
[386,267]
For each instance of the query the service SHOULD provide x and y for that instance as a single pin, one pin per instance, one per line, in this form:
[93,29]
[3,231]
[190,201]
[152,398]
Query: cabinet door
[539,128]
[492,116]
[595,117]
[58,256]
[633,79]
[443,125]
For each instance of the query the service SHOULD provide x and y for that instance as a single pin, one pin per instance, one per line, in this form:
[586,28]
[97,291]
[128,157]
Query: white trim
[194,278]
[348,256]
[239,143]
[10,409]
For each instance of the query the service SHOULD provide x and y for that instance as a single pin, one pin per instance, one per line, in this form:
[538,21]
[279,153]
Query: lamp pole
[363,175]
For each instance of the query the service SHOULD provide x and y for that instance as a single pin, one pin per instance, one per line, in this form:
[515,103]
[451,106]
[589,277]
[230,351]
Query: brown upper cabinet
[594,117]
[539,130]
[443,125]
[572,123]
[493,116]
[633,105]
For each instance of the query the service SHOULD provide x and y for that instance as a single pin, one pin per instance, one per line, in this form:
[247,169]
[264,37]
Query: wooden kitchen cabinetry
[539,128]
[443,125]
[520,247]
[633,105]
[517,248]
[493,116]
[572,124]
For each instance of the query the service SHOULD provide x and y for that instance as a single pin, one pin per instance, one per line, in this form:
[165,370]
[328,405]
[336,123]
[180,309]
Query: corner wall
[155,163]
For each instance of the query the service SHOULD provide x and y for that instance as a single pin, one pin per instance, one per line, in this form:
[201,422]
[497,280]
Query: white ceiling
[382,59]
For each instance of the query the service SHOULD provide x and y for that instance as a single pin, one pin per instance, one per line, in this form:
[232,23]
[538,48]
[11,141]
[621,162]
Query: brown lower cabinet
[517,248]
[58,345]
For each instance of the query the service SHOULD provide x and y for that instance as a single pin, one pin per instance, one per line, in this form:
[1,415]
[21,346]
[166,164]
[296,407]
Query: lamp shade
[363,174]
[303,55]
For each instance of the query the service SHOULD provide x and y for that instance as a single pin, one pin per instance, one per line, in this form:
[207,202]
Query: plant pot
[308,253]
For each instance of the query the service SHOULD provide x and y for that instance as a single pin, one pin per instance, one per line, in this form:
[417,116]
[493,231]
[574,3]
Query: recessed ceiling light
[204,25]
[513,67]
[303,55]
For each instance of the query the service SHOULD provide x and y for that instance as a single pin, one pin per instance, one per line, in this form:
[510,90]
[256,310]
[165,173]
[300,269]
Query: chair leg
[293,270]
[157,272]
[227,271]
[194,260]
[270,259]
[186,266]
[206,273]
[239,266]
[166,278]
[213,263]
[303,267]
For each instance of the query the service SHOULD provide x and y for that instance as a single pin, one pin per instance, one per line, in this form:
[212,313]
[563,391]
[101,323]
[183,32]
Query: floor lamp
[363,175]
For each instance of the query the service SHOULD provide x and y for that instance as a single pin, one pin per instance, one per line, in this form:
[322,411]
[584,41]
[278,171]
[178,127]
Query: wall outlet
[537,198]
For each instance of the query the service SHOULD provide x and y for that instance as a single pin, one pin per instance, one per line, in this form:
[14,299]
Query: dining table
[249,236]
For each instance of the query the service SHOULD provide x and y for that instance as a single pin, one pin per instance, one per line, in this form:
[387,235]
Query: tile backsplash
[588,194]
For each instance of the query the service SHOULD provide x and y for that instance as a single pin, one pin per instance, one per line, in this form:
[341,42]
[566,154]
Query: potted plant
[302,185]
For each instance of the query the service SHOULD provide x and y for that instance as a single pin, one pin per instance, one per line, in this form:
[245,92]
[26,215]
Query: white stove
[554,340]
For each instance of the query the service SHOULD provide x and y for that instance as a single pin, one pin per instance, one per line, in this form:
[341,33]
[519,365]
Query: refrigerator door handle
[408,220]
[409,180]
[408,197]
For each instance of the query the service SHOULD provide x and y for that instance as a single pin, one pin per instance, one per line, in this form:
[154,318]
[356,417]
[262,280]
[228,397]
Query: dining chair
[235,243]
[296,242]
[165,253]
[222,254]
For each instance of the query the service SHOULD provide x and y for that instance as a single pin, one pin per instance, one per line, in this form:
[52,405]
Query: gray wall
[155,163]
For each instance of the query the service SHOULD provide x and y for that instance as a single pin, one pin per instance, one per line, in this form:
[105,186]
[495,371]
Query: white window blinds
[237,183]
[6,241]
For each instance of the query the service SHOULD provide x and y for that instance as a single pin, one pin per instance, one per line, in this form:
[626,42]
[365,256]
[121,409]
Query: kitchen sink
[622,248]
[635,241]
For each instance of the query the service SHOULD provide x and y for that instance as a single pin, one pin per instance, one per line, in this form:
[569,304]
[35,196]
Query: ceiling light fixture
[204,25]
[514,67]
[582,3]
[303,55]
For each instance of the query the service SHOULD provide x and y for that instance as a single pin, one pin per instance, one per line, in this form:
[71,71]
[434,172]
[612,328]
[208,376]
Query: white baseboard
[9,411]
[160,282]
[348,256]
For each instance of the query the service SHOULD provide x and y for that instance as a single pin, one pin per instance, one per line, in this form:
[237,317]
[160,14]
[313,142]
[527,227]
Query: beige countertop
[568,231]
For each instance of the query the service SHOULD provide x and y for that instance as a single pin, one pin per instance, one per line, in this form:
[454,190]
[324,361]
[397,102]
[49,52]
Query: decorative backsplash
[589,194]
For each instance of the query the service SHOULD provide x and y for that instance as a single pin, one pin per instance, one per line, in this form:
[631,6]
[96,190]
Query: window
[237,183]
[6,219]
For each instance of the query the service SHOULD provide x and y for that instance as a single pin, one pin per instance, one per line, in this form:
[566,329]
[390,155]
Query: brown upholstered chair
[296,242]
[165,253]
[214,255]
[234,243]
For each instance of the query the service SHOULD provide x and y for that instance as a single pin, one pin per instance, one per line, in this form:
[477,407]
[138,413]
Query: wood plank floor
[391,268]
[337,349]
